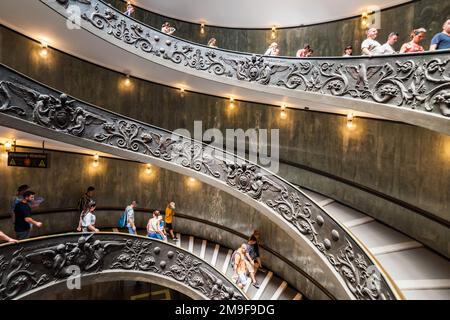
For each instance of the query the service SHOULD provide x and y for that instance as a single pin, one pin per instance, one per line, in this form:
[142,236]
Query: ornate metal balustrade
[418,82]
[44,261]
[29,106]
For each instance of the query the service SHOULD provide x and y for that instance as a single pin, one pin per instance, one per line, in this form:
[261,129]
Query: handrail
[35,263]
[424,213]
[414,82]
[202,221]
[35,108]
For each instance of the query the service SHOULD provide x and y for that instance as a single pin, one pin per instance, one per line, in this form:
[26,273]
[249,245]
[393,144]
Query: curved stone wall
[327,39]
[403,161]
[117,182]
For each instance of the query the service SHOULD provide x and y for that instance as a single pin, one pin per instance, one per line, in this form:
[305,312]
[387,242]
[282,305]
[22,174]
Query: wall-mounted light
[350,121]
[182,91]
[364,19]
[202,28]
[95,163]
[8,146]
[44,49]
[148,169]
[127,80]
[232,104]
[274,32]
[283,113]
[192,179]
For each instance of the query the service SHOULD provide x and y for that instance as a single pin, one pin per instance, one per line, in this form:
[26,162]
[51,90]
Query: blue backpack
[122,220]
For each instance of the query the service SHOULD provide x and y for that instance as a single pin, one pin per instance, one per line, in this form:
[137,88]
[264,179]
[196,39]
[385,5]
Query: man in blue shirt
[441,40]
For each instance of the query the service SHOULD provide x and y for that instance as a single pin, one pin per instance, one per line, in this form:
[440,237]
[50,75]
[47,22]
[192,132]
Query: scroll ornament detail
[403,81]
[61,114]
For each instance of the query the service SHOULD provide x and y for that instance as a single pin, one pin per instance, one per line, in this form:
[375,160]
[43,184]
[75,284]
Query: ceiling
[258,14]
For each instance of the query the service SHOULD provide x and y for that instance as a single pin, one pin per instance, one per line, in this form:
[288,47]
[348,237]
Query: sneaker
[256,285]
[262,270]
[175,239]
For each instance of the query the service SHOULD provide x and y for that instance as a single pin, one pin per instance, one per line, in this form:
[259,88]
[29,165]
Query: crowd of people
[369,46]
[245,261]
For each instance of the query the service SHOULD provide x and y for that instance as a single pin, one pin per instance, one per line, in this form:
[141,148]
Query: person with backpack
[242,265]
[129,212]
[87,219]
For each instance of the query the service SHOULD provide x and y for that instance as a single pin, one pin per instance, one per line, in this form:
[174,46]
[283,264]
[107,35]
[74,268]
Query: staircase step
[279,291]
[263,285]
[271,287]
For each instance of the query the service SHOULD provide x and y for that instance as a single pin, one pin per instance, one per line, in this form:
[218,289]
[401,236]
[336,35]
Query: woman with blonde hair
[417,35]
[272,50]
[212,43]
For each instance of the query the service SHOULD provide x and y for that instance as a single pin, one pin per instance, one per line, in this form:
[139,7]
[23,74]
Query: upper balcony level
[412,88]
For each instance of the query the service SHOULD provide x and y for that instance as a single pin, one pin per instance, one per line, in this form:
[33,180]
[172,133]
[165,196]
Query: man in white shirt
[370,46]
[130,217]
[387,47]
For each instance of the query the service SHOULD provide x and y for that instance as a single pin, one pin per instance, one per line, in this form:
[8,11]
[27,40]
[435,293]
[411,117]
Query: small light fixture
[350,119]
[149,168]
[231,103]
[283,113]
[127,81]
[364,19]
[274,32]
[202,28]
[192,179]
[44,49]
[182,92]
[8,146]
[96,160]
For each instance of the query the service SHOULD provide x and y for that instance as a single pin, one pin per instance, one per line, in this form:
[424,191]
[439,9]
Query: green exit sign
[26,159]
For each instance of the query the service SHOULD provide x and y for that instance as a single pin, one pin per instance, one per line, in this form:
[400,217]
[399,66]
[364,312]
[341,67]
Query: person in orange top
[417,36]
[168,218]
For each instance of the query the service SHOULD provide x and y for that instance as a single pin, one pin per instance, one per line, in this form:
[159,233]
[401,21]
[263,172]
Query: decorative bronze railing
[37,263]
[32,107]
[419,82]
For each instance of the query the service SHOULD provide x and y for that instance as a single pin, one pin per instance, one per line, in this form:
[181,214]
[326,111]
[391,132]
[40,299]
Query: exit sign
[26,159]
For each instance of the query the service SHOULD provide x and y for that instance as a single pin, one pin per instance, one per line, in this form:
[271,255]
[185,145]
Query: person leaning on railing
[212,43]
[441,40]
[6,238]
[417,35]
[167,28]
[273,50]
[370,46]
[388,48]
[348,51]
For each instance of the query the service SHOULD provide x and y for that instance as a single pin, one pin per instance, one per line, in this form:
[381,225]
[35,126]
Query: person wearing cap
[168,219]
[417,35]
